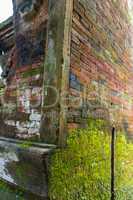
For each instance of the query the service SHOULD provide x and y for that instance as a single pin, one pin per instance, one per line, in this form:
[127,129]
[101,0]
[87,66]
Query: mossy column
[56,72]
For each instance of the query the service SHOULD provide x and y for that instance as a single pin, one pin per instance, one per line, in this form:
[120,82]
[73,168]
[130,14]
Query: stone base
[25,165]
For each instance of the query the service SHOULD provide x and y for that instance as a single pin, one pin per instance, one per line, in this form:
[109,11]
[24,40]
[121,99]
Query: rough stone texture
[20,111]
[33,80]
[56,72]
[101,65]
[25,166]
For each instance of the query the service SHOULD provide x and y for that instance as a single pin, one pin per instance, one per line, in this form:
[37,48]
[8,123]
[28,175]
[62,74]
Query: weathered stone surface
[25,165]
[23,69]
[56,72]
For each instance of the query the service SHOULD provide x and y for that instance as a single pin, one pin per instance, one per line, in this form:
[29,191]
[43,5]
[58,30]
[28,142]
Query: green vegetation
[82,170]
[6,193]
[26,144]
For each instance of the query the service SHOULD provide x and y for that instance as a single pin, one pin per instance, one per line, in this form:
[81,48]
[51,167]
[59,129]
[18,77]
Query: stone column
[56,72]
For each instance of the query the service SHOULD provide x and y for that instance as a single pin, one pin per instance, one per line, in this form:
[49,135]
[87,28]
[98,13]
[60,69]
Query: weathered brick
[102,30]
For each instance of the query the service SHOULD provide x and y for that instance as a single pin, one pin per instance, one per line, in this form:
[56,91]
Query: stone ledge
[25,167]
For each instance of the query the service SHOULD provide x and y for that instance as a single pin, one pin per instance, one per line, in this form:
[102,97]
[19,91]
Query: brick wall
[100,79]
[20,111]
[101,65]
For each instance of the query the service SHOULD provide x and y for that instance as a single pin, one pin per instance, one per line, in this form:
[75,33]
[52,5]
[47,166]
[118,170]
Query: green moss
[26,144]
[7,193]
[82,170]
[32,72]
